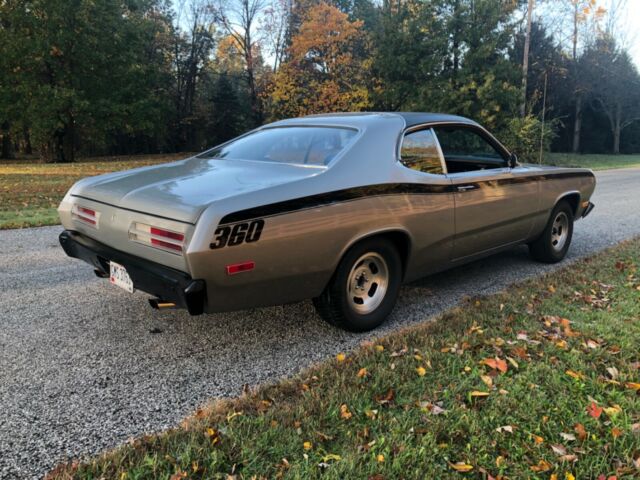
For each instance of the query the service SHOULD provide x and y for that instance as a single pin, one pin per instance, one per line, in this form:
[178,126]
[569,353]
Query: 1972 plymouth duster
[339,208]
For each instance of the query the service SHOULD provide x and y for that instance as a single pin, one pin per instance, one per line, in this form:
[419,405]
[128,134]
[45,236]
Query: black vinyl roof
[419,118]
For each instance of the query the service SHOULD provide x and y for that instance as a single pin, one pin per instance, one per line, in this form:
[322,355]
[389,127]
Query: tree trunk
[577,125]
[6,150]
[60,149]
[617,130]
[525,60]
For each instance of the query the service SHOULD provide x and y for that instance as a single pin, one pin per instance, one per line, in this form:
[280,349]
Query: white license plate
[118,276]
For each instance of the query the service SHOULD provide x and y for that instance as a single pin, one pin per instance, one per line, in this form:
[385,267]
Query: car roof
[355,119]
[418,118]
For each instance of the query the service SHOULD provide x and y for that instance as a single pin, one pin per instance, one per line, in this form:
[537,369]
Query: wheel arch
[399,236]
[572,198]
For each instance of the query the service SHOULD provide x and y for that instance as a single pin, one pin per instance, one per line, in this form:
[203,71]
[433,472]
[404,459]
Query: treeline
[145,76]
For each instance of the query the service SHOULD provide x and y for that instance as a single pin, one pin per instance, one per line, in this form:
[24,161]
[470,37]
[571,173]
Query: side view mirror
[513,160]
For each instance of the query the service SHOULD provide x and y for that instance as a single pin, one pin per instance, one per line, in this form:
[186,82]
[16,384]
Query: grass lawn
[595,162]
[30,192]
[541,381]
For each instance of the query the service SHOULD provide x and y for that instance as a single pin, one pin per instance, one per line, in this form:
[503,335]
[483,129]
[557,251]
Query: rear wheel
[364,288]
[552,245]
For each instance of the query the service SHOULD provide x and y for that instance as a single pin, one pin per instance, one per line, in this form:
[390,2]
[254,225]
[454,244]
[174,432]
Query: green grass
[405,406]
[30,192]
[595,162]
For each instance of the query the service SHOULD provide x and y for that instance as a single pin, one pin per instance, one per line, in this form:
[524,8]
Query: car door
[493,203]
[429,209]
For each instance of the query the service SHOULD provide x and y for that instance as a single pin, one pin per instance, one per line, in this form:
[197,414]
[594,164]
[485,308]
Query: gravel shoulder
[84,366]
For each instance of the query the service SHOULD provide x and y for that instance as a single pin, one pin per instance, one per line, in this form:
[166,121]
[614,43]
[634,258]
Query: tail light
[156,237]
[85,215]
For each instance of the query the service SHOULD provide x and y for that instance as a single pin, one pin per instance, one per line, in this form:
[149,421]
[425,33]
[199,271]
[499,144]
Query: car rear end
[134,250]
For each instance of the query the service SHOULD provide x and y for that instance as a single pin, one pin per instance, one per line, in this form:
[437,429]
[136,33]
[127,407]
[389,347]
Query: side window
[419,151]
[465,150]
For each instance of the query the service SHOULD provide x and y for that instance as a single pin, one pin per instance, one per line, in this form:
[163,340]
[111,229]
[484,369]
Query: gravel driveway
[85,366]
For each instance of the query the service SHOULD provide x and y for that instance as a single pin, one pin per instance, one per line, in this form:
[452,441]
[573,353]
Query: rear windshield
[300,145]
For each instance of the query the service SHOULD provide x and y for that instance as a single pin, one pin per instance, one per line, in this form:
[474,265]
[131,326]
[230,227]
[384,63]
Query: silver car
[339,208]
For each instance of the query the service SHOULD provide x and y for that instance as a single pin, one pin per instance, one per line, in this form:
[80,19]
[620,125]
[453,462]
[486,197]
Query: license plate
[119,277]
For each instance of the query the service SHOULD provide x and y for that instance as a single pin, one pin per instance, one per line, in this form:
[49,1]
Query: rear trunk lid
[182,190]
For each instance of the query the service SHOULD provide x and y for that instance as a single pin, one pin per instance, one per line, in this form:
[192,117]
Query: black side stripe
[355,193]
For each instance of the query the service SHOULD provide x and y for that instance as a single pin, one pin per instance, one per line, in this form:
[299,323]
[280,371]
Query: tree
[75,67]
[482,82]
[227,119]
[410,44]
[239,19]
[323,73]
[614,86]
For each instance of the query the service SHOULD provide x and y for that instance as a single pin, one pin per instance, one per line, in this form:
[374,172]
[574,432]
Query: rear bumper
[165,283]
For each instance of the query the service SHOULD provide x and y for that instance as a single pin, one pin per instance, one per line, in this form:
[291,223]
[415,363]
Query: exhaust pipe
[159,304]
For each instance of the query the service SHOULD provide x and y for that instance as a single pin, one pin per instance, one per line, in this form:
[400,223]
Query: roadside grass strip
[593,161]
[31,192]
[540,381]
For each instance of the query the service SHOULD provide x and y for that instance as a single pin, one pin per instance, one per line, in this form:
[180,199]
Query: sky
[631,26]
[629,23]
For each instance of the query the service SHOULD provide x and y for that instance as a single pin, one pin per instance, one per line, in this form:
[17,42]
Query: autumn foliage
[327,69]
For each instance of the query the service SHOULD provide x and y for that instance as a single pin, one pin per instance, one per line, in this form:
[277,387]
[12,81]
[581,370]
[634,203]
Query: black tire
[339,308]
[546,248]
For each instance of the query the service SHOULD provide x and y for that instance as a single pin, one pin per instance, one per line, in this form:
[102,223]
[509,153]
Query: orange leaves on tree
[327,70]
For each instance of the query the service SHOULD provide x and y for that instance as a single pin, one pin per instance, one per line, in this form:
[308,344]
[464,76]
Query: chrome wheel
[367,283]
[559,231]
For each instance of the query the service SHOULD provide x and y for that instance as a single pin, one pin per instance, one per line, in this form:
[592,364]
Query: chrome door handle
[464,188]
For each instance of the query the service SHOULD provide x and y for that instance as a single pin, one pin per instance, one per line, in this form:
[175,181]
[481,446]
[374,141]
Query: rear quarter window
[419,151]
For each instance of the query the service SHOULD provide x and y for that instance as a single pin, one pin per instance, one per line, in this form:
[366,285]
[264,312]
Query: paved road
[84,366]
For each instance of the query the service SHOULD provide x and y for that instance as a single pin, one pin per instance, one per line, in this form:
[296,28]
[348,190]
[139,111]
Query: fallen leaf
[616,432]
[380,458]
[568,458]
[495,363]
[499,461]
[477,393]
[371,414]
[362,373]
[569,476]
[612,411]
[386,398]
[559,449]
[379,348]
[633,386]
[614,373]
[487,380]
[594,410]
[421,371]
[506,428]
[461,467]
[576,375]
[580,431]
[345,414]
[307,445]
[569,437]
[537,439]
[331,457]
[341,357]
[542,466]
